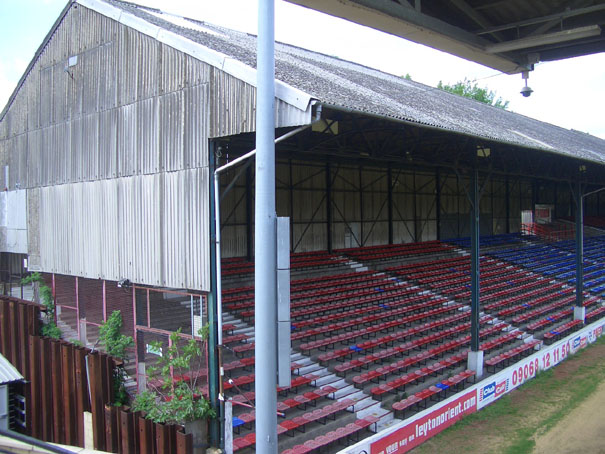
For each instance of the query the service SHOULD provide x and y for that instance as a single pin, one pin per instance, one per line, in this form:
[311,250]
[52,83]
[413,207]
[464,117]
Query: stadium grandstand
[442,251]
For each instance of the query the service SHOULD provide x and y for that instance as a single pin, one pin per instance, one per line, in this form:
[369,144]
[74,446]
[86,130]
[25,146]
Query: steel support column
[475,269]
[438,201]
[507,203]
[475,356]
[213,362]
[249,232]
[579,245]
[390,203]
[265,277]
[329,206]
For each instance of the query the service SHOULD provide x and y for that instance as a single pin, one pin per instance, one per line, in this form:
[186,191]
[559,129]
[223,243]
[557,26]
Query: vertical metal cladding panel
[171,121]
[108,76]
[108,222]
[33,98]
[108,136]
[185,232]
[46,96]
[34,158]
[172,69]
[60,94]
[127,65]
[288,115]
[198,251]
[33,225]
[18,112]
[139,201]
[75,30]
[127,148]
[91,27]
[176,198]
[3,162]
[17,159]
[149,256]
[57,153]
[77,157]
[3,129]
[149,68]
[233,105]
[89,80]
[196,72]
[90,147]
[148,135]
[56,215]
[73,78]
[196,120]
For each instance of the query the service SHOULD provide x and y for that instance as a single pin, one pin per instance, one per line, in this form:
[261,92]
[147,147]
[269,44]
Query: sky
[568,93]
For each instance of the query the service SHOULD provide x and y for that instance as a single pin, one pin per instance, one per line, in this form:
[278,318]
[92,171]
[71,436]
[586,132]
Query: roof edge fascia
[231,66]
[475,136]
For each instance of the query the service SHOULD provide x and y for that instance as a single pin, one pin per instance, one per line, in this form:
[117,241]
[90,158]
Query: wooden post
[145,427]
[97,403]
[81,391]
[23,365]
[128,432]
[4,329]
[184,443]
[69,395]
[57,392]
[46,402]
[162,439]
[34,411]
[111,429]
[13,328]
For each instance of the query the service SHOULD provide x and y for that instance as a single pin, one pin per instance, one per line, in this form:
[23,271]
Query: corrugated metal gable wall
[98,138]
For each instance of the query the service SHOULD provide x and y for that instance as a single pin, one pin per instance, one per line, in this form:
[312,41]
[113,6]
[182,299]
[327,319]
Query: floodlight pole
[265,277]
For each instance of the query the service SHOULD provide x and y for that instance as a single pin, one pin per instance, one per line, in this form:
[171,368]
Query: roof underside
[509,35]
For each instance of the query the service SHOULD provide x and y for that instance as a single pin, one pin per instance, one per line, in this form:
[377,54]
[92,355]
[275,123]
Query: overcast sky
[569,93]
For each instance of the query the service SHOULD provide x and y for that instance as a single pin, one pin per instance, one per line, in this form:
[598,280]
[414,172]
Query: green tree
[471,90]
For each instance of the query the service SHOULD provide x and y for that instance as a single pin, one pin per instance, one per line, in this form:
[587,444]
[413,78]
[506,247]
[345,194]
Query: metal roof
[303,76]
[342,84]
[509,36]
[8,372]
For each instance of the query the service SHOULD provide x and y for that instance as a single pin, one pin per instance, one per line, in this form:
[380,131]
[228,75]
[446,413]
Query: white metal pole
[265,278]
[217,245]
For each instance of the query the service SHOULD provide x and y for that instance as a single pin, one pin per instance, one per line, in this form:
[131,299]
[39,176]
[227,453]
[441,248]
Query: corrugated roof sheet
[8,372]
[349,85]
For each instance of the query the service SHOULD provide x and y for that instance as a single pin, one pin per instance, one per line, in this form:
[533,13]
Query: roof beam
[542,40]
[540,20]
[476,17]
[550,24]
[414,17]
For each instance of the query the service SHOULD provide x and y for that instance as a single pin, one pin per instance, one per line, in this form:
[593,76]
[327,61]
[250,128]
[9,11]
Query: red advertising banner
[417,432]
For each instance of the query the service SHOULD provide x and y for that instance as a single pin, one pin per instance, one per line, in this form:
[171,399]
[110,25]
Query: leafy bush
[175,400]
[116,343]
[49,327]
